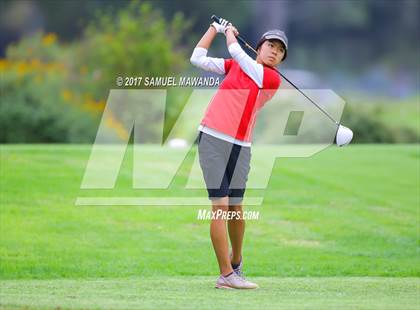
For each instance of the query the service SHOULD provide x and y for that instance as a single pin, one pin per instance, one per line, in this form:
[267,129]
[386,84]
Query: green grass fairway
[337,230]
[195,293]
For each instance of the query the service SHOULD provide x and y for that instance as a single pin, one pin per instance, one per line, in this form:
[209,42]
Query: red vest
[234,107]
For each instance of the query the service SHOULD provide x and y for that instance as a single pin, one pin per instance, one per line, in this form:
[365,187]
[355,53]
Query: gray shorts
[225,167]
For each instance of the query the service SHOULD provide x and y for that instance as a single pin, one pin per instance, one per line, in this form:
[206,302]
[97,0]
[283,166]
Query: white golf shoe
[238,269]
[234,281]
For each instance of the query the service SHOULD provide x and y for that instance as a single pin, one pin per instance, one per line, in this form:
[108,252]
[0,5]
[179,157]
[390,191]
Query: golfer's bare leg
[219,238]
[236,229]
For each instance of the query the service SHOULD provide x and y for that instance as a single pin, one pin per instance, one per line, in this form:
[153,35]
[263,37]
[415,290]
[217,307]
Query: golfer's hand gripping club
[217,19]
[220,25]
[223,25]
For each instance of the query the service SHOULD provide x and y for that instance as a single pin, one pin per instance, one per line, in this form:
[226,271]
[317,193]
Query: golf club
[343,135]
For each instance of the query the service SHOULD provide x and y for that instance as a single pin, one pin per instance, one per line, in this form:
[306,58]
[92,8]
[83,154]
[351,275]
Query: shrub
[53,92]
[368,127]
[33,106]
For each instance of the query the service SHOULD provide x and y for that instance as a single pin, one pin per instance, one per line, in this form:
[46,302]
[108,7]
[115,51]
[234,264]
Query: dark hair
[272,40]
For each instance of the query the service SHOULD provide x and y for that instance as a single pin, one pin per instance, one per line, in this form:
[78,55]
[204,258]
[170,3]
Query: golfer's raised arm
[199,56]
[253,69]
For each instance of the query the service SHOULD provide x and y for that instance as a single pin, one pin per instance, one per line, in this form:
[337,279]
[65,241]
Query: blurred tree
[35,104]
[134,41]
[357,35]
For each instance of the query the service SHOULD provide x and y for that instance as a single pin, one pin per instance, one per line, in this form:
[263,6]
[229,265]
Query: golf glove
[221,28]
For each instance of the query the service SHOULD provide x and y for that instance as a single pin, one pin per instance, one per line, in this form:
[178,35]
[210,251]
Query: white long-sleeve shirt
[217,65]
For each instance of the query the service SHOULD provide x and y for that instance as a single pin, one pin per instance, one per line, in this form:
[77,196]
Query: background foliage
[61,58]
[53,91]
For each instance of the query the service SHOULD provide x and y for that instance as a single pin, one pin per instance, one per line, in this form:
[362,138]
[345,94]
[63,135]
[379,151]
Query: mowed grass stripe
[346,211]
[199,293]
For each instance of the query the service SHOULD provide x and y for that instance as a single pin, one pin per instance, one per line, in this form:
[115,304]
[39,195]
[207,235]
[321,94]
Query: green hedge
[372,124]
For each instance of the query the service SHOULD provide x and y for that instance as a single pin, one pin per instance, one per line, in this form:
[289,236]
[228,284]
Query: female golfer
[225,132]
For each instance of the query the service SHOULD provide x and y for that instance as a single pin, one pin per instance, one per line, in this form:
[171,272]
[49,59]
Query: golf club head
[344,135]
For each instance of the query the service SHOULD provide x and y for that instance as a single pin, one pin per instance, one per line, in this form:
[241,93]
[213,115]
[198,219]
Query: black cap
[274,34]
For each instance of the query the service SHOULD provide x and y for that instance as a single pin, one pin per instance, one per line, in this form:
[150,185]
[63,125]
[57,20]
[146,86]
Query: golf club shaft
[240,39]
